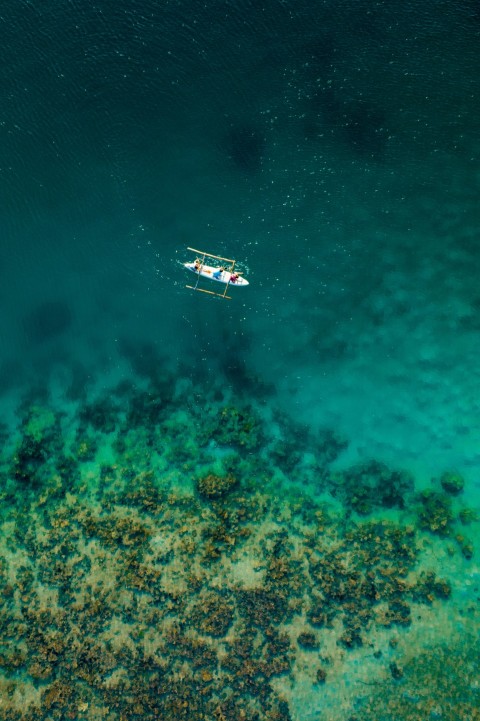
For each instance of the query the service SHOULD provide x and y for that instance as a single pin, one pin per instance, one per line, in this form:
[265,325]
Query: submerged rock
[372,484]
[452,483]
[307,640]
[435,514]
[396,671]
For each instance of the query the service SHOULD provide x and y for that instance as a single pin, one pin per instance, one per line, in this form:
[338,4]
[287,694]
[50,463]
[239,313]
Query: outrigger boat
[221,274]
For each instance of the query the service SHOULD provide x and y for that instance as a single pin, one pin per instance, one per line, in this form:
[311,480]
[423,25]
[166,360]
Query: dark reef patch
[435,512]
[361,125]
[238,426]
[47,321]
[101,415]
[213,614]
[452,483]
[245,145]
[366,130]
[145,359]
[372,485]
[212,487]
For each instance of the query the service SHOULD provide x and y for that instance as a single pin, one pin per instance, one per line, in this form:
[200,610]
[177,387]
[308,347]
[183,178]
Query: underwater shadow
[245,146]
[47,321]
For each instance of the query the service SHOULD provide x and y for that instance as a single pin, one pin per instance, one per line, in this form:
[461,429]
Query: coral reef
[307,639]
[213,487]
[368,486]
[131,592]
[438,683]
[452,483]
[212,615]
[234,426]
[435,513]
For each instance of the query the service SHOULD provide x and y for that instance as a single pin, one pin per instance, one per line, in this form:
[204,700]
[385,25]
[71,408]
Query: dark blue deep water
[332,148]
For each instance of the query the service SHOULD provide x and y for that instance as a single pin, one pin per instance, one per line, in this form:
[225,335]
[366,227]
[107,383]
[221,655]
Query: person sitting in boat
[217,274]
[197,265]
[234,277]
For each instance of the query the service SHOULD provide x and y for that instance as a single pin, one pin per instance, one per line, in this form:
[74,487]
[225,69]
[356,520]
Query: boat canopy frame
[204,255]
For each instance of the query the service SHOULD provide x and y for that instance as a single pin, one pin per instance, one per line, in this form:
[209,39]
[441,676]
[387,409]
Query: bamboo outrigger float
[221,274]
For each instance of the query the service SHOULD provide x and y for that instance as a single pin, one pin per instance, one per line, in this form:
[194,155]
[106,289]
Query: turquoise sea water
[305,427]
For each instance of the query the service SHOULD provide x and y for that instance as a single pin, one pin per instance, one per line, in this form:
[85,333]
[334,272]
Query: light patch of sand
[119,678]
[24,695]
[162,544]
[248,572]
[118,635]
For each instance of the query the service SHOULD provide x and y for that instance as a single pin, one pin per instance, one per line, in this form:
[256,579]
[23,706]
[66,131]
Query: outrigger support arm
[210,292]
[208,255]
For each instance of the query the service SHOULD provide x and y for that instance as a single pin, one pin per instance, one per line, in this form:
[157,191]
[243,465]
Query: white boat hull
[220,276]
